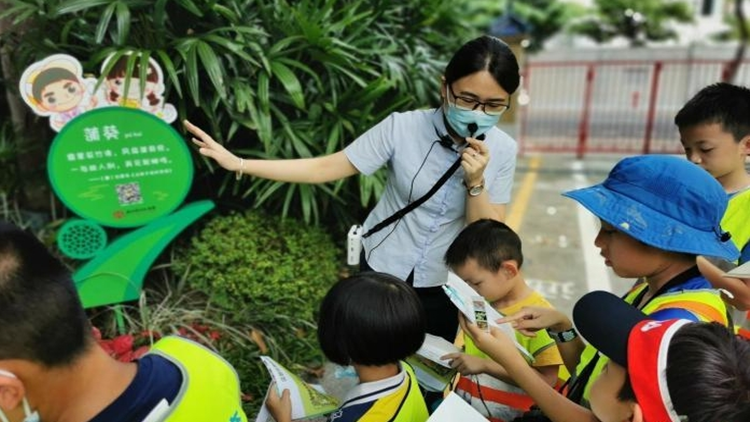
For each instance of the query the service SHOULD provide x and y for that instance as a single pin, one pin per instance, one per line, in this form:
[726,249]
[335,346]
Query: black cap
[605,321]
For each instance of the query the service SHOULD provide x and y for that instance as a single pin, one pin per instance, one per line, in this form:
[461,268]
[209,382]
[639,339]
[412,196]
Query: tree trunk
[730,72]
[34,191]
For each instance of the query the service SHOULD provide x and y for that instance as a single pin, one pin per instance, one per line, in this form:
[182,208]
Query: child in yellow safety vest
[52,369]
[372,321]
[672,370]
[657,214]
[487,255]
[715,132]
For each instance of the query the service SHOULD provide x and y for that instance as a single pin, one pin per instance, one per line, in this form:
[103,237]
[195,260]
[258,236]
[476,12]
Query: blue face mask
[460,118]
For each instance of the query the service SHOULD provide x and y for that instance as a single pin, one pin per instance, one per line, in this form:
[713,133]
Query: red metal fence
[611,106]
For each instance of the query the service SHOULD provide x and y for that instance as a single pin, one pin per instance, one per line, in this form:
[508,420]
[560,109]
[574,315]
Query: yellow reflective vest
[705,304]
[396,403]
[413,408]
[736,218]
[210,390]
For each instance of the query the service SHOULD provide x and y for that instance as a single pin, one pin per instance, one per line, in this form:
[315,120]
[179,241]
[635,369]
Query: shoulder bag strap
[411,206]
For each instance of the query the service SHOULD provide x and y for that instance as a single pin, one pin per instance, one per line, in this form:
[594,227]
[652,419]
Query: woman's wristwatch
[563,336]
[475,190]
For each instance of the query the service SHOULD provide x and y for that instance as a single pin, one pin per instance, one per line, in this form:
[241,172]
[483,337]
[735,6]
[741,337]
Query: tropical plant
[9,172]
[545,18]
[270,78]
[637,20]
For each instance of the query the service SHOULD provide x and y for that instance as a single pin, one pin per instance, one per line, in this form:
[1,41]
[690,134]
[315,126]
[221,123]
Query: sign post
[116,162]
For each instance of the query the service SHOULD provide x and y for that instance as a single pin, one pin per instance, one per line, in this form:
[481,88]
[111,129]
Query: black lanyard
[444,140]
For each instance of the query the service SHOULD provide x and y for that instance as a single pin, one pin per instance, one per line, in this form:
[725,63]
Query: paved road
[561,260]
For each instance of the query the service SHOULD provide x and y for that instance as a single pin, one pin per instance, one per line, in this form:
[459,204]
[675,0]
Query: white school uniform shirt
[406,144]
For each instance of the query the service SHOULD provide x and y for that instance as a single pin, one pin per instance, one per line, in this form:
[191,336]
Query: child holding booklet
[487,255]
[372,321]
[658,371]
[657,213]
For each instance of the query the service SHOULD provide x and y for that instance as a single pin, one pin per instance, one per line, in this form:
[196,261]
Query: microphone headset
[447,142]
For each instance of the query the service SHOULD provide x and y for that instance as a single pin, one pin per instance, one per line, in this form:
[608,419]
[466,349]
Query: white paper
[263,414]
[460,293]
[433,373]
[435,347]
[454,408]
[743,271]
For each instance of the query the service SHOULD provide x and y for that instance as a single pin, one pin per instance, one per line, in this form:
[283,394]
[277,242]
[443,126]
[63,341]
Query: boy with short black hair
[51,368]
[714,129]
[658,371]
[487,255]
[715,132]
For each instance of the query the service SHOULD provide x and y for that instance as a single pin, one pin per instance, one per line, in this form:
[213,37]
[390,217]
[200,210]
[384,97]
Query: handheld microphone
[473,128]
[446,141]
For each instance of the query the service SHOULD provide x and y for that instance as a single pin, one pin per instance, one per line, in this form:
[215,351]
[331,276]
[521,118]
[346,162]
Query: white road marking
[597,277]
[553,290]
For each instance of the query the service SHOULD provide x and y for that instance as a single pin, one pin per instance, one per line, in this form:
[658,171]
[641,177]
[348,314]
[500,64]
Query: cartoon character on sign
[149,99]
[55,87]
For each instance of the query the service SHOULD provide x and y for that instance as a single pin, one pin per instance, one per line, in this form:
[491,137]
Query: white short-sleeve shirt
[406,144]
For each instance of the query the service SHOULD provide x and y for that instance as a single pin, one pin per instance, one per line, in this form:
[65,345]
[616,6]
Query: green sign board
[120,167]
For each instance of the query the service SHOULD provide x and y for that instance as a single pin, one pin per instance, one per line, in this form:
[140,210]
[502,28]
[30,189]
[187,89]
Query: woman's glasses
[490,108]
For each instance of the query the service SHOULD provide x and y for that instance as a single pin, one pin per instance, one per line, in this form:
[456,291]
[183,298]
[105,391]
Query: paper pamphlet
[453,408]
[433,373]
[307,400]
[461,294]
[743,271]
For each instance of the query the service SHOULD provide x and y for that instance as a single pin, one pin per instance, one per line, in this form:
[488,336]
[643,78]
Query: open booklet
[464,297]
[433,373]
[308,401]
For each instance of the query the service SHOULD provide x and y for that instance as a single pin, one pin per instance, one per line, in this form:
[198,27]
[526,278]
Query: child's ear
[510,268]
[637,413]
[745,144]
[11,393]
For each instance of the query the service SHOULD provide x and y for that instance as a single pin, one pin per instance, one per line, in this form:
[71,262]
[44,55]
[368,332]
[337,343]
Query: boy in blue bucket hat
[657,214]
[663,202]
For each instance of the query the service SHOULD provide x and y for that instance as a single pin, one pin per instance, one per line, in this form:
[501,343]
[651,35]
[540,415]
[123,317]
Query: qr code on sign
[129,193]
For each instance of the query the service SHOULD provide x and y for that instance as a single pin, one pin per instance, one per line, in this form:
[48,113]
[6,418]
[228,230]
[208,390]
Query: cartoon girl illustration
[55,87]
[150,99]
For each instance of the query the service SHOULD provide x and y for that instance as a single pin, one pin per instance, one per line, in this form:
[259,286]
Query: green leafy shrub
[252,259]
[268,270]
